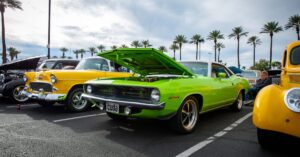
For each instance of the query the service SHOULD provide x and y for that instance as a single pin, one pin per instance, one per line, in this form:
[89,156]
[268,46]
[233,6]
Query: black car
[11,75]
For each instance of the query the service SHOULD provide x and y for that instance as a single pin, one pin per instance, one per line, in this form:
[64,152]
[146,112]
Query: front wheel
[187,116]
[16,94]
[238,104]
[75,102]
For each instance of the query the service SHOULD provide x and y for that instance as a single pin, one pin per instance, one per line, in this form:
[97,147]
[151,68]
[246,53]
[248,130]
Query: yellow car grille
[294,78]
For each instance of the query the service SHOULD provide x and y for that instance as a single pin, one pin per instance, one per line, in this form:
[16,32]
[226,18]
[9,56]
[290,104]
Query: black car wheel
[16,94]
[187,116]
[239,103]
[75,102]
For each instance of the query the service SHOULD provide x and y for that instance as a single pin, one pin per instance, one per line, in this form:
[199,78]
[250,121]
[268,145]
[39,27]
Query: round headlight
[292,99]
[155,95]
[25,78]
[53,79]
[89,89]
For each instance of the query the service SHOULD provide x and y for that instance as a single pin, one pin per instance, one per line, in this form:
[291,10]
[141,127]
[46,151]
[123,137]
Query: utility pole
[49,28]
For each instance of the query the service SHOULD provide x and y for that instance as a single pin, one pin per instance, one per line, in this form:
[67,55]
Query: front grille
[294,78]
[36,86]
[123,92]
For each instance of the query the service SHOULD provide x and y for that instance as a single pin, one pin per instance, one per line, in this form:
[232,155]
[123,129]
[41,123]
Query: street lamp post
[49,28]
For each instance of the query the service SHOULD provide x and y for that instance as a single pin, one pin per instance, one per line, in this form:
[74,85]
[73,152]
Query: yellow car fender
[271,113]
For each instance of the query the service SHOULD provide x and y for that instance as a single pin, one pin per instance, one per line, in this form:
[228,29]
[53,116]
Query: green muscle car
[164,89]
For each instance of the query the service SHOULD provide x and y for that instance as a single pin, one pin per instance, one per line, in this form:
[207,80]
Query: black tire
[74,101]
[45,103]
[192,116]
[238,103]
[266,139]
[16,96]
[116,117]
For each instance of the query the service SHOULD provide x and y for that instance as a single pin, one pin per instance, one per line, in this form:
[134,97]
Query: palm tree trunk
[219,55]
[174,54]
[3,37]
[254,55]
[196,51]
[63,55]
[271,45]
[76,56]
[81,55]
[238,53]
[297,30]
[180,51]
[215,50]
[199,56]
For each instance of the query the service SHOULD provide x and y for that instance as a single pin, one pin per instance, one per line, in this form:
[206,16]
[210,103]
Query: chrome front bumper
[140,105]
[44,96]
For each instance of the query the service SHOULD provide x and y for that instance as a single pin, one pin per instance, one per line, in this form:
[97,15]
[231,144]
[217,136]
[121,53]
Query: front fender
[271,113]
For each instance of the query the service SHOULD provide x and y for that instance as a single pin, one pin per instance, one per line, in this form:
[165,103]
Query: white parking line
[211,139]
[79,117]
[15,106]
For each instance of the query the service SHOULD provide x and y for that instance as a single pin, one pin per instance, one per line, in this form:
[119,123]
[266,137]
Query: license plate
[112,107]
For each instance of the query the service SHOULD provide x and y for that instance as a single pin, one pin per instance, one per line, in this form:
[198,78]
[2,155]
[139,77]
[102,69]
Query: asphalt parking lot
[36,131]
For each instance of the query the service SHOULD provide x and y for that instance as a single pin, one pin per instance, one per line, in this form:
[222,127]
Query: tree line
[269,28]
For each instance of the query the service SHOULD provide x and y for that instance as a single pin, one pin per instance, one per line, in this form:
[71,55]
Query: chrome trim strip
[126,103]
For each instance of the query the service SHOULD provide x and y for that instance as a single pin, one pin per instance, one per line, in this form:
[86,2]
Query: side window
[58,66]
[217,69]
[104,66]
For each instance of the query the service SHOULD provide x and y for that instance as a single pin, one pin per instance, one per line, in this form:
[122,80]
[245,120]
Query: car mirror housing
[221,75]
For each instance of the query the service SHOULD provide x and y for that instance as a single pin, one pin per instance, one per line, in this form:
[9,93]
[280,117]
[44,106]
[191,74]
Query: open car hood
[25,64]
[145,61]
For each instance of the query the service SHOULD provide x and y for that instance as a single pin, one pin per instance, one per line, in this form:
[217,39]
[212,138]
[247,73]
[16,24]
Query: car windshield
[248,74]
[197,67]
[93,64]
[47,65]
[295,56]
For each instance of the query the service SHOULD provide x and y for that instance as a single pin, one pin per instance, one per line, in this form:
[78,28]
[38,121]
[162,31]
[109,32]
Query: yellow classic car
[277,107]
[65,86]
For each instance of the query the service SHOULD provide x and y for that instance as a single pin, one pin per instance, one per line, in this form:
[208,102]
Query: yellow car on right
[277,107]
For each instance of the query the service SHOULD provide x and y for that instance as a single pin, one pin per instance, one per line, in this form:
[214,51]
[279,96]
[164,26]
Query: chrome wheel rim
[17,94]
[78,102]
[240,101]
[189,114]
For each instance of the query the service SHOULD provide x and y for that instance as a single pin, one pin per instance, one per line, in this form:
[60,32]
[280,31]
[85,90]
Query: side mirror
[221,75]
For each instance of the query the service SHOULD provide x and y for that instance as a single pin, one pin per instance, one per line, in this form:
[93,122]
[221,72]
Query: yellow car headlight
[53,79]
[292,99]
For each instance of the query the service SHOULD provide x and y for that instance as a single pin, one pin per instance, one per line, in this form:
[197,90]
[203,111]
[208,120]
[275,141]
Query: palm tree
[254,40]
[294,22]
[114,47]
[92,50]
[180,39]
[101,48]
[13,4]
[123,46]
[214,36]
[197,39]
[146,43]
[16,54]
[271,28]
[237,33]
[219,47]
[81,51]
[162,49]
[11,53]
[63,50]
[76,52]
[136,44]
[174,47]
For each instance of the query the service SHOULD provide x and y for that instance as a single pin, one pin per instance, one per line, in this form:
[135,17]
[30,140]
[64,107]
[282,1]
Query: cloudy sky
[89,23]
